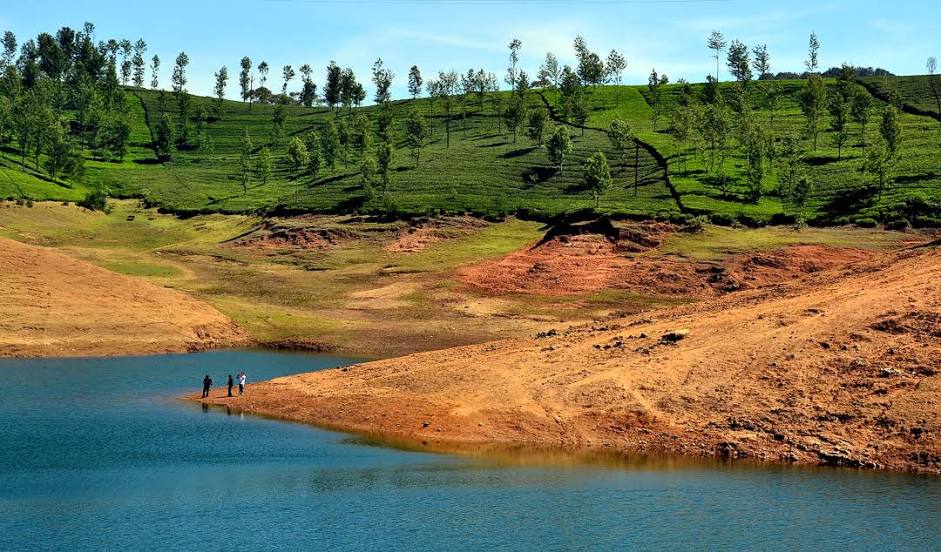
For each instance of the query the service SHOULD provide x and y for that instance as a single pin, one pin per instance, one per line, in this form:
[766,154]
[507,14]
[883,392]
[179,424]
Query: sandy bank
[54,305]
[842,368]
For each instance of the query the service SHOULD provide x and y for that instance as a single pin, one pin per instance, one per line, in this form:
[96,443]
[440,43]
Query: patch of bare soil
[304,232]
[840,367]
[54,305]
[323,232]
[424,232]
[569,264]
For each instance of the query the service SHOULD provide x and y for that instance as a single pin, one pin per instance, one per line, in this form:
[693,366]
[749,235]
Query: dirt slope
[841,368]
[54,305]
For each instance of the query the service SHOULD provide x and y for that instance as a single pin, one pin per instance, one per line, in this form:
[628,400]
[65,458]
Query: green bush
[866,222]
[95,200]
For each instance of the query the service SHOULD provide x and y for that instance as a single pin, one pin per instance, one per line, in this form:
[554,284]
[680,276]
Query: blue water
[99,454]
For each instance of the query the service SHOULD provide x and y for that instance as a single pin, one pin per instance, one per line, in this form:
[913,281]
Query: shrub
[897,224]
[866,222]
[95,200]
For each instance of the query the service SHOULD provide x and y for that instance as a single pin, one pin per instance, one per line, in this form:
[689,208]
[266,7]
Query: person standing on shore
[241,383]
[207,383]
[230,385]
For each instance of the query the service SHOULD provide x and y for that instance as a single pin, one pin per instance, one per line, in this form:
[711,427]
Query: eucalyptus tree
[362,128]
[385,157]
[737,59]
[416,133]
[615,67]
[655,95]
[446,89]
[278,117]
[309,88]
[163,139]
[511,71]
[549,71]
[155,72]
[590,66]
[262,73]
[515,114]
[813,105]
[538,120]
[332,88]
[287,75]
[597,175]
[414,82]
[891,129]
[382,80]
[466,88]
[622,137]
[264,165]
[297,157]
[431,87]
[813,50]
[933,81]
[558,147]
[178,78]
[716,42]
[840,107]
[348,88]
[245,79]
[9,48]
[222,79]
[140,48]
[126,65]
[178,81]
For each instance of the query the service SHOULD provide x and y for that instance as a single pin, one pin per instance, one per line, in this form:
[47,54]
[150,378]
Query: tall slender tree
[245,79]
[813,51]
[140,48]
[549,71]
[382,80]
[511,71]
[615,67]
[287,74]
[155,72]
[716,42]
[414,82]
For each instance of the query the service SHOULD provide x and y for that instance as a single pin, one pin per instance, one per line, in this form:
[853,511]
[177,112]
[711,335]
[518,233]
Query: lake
[101,454]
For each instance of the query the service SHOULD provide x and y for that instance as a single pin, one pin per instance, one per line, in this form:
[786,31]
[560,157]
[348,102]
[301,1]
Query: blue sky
[457,34]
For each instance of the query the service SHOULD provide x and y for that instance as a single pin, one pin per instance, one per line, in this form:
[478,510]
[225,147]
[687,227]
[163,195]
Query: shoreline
[840,369]
[662,449]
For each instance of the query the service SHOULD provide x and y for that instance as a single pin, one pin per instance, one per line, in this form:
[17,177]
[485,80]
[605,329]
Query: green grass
[716,242]
[486,172]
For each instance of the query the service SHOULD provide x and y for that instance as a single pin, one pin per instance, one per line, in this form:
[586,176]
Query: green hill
[488,173]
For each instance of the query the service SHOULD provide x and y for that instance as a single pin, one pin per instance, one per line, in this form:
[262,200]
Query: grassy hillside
[842,191]
[486,172]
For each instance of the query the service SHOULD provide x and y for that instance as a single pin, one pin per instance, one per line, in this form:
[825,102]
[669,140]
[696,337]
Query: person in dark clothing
[231,384]
[207,383]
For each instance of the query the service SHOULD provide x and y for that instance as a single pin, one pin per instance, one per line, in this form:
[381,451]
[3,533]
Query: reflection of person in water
[231,384]
[207,383]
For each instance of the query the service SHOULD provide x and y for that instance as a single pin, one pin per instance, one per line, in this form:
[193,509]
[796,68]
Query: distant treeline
[831,73]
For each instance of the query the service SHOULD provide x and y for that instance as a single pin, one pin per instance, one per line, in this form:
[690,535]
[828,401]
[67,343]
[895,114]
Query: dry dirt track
[841,368]
[54,305]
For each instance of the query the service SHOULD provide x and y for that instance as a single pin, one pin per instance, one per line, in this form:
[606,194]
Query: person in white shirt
[241,383]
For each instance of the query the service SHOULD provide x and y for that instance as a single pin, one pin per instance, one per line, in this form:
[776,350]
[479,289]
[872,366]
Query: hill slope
[54,305]
[486,171]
